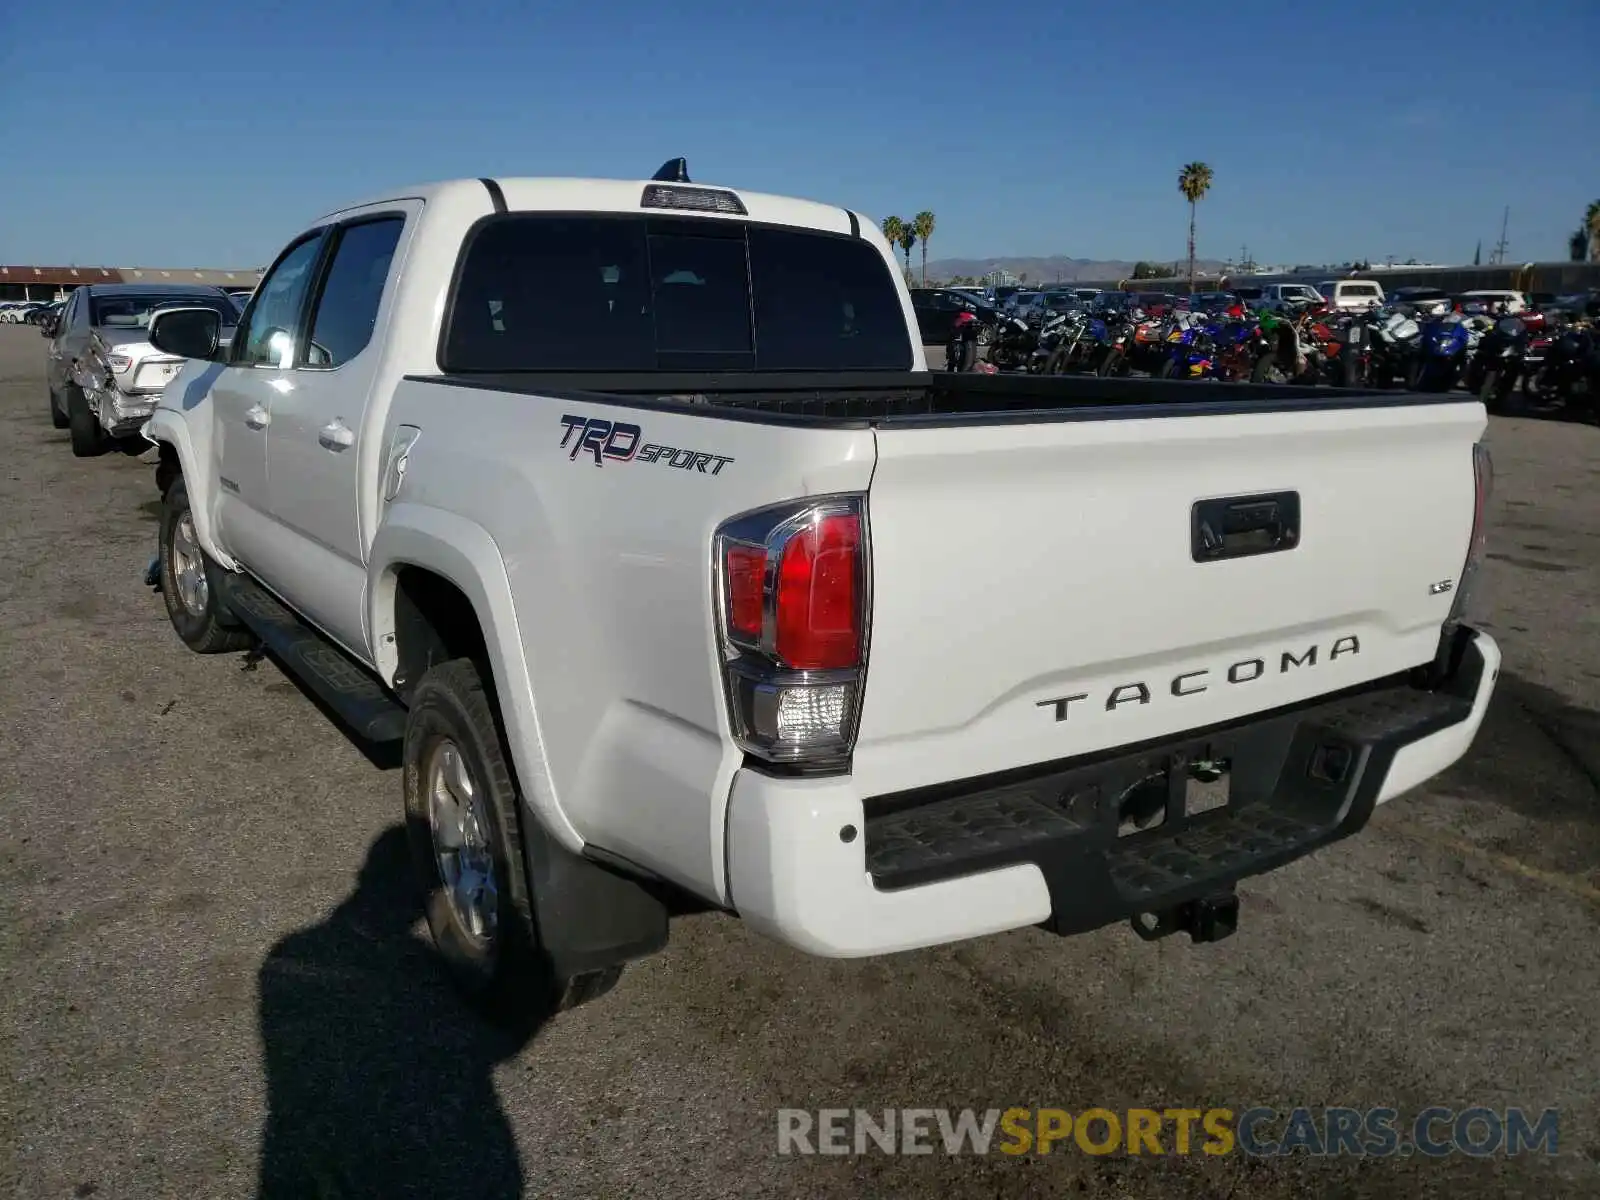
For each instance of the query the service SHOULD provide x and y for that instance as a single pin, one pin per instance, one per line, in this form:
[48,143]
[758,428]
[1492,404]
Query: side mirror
[186,332]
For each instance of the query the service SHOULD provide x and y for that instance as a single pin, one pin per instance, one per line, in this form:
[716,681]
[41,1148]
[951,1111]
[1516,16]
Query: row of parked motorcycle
[1510,360]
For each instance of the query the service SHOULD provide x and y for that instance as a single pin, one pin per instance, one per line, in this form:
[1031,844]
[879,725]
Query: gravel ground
[208,955]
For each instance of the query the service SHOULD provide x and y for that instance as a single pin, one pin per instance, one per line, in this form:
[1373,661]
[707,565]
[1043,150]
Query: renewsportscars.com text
[1434,1132]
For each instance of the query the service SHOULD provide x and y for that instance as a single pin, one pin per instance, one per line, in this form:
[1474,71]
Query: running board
[340,682]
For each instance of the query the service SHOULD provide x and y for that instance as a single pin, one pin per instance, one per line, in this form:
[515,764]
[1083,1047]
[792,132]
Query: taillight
[119,362]
[793,600]
[1483,488]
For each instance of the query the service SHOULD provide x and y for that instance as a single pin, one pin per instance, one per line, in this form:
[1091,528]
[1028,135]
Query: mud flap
[587,916]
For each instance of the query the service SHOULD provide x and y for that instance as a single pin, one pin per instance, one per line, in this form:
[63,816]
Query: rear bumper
[124,413]
[814,864]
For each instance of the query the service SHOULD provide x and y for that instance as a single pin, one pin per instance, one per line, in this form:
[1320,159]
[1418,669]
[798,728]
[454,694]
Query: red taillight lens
[746,568]
[793,583]
[818,614]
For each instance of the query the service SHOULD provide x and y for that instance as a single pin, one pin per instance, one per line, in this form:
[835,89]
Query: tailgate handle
[1239,526]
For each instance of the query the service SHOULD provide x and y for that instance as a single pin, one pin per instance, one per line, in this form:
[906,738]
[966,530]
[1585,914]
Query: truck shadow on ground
[1537,753]
[378,1083]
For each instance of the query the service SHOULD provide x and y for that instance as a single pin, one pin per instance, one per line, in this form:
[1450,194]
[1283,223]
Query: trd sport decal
[614,441]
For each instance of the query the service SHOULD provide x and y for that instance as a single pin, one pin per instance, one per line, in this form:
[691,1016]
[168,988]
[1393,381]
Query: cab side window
[347,307]
[267,337]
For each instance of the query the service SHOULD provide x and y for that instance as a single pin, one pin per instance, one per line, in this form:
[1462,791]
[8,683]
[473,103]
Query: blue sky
[183,133]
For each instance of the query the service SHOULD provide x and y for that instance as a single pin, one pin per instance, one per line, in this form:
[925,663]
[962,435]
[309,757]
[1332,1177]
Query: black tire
[1112,364]
[1489,392]
[88,439]
[502,971]
[1168,369]
[1258,372]
[211,629]
[57,417]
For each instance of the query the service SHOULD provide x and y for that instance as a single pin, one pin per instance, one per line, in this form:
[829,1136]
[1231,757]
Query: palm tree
[1194,181]
[1591,225]
[893,227]
[908,239]
[922,224]
[1578,246]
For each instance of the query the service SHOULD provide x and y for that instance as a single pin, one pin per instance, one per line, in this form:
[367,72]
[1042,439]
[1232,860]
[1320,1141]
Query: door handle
[1240,526]
[257,417]
[336,435]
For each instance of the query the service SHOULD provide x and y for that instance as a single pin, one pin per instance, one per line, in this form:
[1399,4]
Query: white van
[1351,293]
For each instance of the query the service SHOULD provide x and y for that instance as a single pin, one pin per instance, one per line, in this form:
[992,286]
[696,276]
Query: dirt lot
[208,953]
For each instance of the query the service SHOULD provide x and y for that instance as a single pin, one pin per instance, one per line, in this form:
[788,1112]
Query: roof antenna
[674,170]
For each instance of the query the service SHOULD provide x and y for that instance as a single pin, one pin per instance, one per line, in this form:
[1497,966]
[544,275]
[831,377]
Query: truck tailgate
[1036,594]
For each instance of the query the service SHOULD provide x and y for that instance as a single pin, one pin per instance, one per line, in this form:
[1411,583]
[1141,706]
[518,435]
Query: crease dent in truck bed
[862,399]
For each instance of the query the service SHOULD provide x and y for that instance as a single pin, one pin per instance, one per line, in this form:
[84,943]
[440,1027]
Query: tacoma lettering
[1193,683]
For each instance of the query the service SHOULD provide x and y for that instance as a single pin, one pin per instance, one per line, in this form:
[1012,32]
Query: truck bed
[862,399]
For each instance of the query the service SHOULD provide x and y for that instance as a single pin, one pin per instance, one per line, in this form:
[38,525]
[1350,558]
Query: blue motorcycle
[1442,354]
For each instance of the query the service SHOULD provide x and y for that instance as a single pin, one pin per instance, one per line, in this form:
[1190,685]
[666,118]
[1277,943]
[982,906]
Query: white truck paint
[1028,594]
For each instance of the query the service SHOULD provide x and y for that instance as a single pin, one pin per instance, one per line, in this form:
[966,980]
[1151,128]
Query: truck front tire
[465,828]
[189,582]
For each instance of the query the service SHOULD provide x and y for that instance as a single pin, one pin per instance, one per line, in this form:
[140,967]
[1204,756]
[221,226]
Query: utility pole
[1499,255]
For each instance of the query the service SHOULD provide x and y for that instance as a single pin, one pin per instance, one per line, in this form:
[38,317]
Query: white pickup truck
[633,511]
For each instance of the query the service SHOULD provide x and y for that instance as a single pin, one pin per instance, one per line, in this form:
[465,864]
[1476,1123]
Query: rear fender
[464,553]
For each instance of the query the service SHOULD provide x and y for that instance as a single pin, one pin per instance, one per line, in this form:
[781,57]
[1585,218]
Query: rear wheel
[189,582]
[464,825]
[1168,369]
[88,439]
[57,417]
[1113,363]
[1266,370]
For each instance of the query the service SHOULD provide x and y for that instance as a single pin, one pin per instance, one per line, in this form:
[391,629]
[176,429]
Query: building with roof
[53,283]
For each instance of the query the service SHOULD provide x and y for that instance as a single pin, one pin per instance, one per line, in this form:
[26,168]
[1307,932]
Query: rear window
[1358,289]
[129,311]
[1248,293]
[540,292]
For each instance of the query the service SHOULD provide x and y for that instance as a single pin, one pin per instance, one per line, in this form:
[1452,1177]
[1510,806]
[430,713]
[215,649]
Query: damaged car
[103,375]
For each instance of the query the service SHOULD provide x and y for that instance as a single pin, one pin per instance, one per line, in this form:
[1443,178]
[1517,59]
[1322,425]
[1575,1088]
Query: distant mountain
[1056,267]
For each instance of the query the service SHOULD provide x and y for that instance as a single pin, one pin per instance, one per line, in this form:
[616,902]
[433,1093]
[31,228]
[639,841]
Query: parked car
[618,492]
[43,313]
[102,373]
[1497,299]
[15,312]
[936,310]
[1425,301]
[1356,295]
[1212,302]
[1288,297]
[1018,301]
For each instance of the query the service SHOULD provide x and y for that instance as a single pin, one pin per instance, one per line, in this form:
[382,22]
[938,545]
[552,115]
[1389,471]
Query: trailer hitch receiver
[1207,919]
